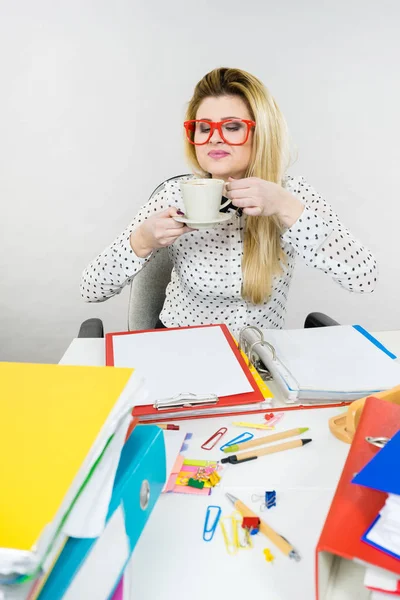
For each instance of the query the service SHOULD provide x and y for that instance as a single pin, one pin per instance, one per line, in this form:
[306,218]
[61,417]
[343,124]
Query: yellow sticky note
[50,416]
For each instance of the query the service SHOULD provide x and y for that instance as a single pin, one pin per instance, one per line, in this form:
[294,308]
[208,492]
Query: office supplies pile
[382,473]
[64,473]
[362,528]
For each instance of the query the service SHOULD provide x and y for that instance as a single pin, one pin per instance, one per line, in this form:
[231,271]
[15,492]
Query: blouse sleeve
[324,243]
[117,265]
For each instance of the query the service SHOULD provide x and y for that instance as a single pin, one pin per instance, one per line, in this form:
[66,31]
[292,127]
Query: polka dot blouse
[206,278]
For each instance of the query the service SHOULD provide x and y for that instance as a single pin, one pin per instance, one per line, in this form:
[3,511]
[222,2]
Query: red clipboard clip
[214,439]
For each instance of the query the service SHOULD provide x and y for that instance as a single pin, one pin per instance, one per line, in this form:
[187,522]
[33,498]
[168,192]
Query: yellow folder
[50,416]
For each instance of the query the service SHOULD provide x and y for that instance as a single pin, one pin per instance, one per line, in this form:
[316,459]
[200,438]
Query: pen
[164,426]
[267,439]
[235,459]
[279,541]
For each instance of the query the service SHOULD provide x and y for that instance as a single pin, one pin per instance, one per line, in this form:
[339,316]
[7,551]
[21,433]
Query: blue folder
[383,472]
[142,459]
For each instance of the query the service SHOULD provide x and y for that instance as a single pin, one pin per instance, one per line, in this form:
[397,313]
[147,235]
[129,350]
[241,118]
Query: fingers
[254,211]
[168,240]
[239,193]
[249,206]
[169,212]
[238,184]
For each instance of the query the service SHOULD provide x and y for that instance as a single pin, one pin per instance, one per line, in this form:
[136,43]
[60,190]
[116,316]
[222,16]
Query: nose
[215,138]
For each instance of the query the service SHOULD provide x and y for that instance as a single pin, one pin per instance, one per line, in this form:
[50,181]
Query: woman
[239,272]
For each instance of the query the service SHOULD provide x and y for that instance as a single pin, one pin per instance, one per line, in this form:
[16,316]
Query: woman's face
[217,157]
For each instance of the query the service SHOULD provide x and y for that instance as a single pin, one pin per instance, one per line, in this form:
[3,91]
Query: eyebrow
[222,119]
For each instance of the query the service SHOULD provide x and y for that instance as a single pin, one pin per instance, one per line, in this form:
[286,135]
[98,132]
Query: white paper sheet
[196,360]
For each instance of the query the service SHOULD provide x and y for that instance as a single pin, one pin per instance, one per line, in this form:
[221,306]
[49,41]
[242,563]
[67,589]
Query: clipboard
[189,406]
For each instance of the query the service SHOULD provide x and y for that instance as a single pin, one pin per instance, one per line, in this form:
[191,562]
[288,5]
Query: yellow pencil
[279,541]
[252,425]
[275,437]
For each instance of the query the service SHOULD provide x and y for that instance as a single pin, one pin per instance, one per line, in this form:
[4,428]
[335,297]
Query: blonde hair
[262,252]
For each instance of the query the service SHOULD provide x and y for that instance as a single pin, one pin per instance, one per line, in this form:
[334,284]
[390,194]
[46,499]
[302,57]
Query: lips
[218,154]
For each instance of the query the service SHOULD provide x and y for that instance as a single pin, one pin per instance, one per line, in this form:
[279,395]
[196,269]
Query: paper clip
[243,437]
[208,531]
[214,438]
[242,535]
[231,545]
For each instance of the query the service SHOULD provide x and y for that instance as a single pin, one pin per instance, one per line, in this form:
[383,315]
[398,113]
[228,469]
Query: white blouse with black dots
[206,279]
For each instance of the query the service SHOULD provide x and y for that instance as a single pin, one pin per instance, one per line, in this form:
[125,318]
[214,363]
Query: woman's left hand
[261,198]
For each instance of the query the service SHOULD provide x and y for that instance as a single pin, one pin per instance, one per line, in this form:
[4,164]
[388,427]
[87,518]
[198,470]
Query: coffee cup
[202,199]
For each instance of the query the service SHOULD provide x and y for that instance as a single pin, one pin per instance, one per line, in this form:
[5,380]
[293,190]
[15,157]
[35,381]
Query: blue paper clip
[243,437]
[208,531]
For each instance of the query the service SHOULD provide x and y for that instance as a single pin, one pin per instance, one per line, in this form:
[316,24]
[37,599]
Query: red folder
[354,507]
[247,399]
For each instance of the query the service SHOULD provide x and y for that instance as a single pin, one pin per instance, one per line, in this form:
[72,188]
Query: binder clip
[269,557]
[243,538]
[214,478]
[213,513]
[195,483]
[187,400]
[252,524]
[269,499]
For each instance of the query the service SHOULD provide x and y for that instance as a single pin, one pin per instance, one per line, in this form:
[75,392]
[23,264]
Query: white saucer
[205,224]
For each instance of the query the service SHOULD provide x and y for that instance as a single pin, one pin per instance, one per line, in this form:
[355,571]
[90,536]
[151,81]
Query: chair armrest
[91,328]
[317,319]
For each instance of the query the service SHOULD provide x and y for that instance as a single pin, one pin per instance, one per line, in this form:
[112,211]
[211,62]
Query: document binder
[322,366]
[73,575]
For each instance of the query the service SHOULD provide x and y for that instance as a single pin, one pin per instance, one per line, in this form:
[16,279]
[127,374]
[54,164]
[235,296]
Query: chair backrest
[148,291]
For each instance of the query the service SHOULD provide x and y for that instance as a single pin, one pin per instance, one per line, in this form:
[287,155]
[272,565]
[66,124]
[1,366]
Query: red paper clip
[214,438]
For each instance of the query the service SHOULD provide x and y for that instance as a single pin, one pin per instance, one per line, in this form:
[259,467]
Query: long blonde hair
[262,252]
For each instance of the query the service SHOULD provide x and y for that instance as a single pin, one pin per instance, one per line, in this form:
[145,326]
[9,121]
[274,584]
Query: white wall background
[86,87]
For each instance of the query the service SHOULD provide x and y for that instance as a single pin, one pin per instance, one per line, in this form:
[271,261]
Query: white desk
[171,561]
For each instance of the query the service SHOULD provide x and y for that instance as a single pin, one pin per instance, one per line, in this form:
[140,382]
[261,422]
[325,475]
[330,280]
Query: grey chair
[147,297]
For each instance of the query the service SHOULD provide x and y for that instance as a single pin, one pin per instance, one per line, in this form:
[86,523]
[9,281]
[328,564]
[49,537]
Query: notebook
[202,360]
[326,364]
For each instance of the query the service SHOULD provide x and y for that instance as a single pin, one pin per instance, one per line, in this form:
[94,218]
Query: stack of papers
[327,364]
[62,429]
[382,584]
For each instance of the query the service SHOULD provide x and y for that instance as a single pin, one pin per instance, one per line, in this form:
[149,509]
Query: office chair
[147,297]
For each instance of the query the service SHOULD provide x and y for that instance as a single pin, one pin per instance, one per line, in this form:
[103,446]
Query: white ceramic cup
[202,199]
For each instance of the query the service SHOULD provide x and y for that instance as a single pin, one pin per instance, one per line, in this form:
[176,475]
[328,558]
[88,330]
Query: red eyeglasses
[234,132]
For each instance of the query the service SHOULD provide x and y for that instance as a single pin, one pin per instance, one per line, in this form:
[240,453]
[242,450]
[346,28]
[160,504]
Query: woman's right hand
[158,231]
